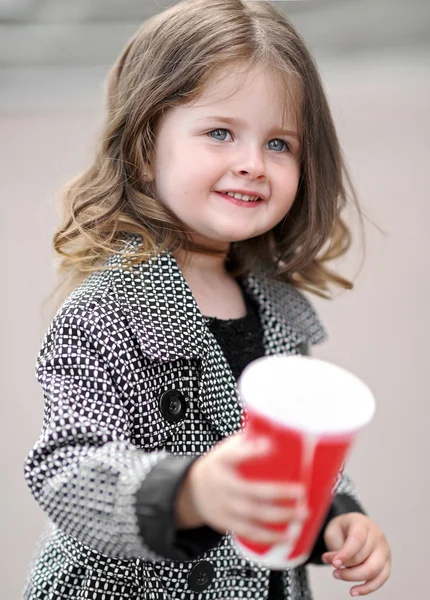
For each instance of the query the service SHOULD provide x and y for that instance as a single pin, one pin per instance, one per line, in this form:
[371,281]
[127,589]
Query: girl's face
[231,139]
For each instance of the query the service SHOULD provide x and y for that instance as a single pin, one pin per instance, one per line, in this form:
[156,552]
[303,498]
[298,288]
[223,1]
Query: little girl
[215,194]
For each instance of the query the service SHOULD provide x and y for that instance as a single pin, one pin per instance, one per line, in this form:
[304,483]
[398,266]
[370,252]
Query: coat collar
[169,326]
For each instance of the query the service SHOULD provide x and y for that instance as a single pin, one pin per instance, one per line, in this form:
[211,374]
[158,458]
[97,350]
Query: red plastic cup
[310,412]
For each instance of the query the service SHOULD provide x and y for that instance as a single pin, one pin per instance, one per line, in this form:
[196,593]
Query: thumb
[239,447]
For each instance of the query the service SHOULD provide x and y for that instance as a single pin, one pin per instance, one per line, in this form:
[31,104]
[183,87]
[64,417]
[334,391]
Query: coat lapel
[160,308]
[168,325]
[289,320]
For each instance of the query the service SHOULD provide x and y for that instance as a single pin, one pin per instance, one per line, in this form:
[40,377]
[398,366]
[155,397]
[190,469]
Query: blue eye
[218,130]
[287,146]
[281,143]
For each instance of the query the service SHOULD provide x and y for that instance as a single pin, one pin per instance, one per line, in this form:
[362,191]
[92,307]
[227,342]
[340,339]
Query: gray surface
[91,32]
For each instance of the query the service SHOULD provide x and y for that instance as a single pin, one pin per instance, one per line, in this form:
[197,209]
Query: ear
[147,175]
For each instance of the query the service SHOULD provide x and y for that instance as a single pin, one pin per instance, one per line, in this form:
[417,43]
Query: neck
[203,266]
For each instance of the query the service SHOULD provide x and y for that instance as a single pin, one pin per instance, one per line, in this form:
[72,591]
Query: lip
[241,203]
[243,192]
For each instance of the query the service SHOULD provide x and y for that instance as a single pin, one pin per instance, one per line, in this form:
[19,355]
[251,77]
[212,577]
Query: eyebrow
[232,121]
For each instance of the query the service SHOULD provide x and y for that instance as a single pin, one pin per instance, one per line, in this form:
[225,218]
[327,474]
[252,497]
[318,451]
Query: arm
[84,471]
[345,500]
[166,513]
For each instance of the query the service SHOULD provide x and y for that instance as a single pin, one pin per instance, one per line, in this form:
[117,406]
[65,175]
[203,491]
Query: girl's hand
[222,499]
[358,545]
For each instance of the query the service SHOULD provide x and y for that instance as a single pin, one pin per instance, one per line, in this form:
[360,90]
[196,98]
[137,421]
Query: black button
[201,576]
[173,406]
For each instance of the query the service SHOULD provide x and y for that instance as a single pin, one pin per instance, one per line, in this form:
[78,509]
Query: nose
[250,164]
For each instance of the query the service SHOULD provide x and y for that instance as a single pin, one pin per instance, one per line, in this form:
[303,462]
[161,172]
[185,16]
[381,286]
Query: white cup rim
[313,396]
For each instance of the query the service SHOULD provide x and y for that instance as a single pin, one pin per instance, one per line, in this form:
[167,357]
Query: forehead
[273,94]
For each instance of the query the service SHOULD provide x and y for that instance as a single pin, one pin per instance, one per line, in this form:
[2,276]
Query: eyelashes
[284,142]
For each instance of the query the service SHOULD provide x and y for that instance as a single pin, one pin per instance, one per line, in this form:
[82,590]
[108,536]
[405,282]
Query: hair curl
[167,63]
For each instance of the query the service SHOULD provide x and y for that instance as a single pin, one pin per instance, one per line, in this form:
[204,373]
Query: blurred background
[374,58]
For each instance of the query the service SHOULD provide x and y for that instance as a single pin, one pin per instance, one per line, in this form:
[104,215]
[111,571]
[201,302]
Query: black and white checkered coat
[120,342]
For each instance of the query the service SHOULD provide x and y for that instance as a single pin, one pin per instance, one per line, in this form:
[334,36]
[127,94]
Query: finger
[267,513]
[334,538]
[238,448]
[263,491]
[355,541]
[362,555]
[369,569]
[373,584]
[289,496]
[328,557]
[263,503]
[256,533]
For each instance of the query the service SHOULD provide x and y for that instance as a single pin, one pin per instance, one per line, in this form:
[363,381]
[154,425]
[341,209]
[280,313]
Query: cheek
[294,185]
[287,188]
[289,180]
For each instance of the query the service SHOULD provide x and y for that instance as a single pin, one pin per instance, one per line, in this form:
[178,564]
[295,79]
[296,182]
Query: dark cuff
[155,509]
[341,504]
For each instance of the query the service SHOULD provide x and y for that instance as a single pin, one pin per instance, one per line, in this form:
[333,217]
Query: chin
[233,234]
[241,237]
[226,234]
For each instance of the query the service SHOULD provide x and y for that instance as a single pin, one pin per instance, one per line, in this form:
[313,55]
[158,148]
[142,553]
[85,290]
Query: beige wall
[380,331]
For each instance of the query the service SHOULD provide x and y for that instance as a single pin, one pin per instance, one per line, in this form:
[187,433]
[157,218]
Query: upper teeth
[242,196]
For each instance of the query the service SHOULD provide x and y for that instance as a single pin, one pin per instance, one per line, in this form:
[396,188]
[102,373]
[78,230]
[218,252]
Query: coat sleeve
[84,471]
[345,500]
[155,501]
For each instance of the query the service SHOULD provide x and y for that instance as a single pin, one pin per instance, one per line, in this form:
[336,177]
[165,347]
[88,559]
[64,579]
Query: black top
[241,340]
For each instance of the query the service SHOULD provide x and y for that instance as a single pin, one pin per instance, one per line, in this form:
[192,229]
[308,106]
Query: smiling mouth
[240,202]
[244,197]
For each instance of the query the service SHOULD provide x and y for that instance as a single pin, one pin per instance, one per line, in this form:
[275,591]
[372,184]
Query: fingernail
[355,594]
[302,513]
[263,445]
[337,563]
[301,491]
[336,575]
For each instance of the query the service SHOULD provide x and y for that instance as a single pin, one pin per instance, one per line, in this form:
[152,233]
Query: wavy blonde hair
[168,63]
